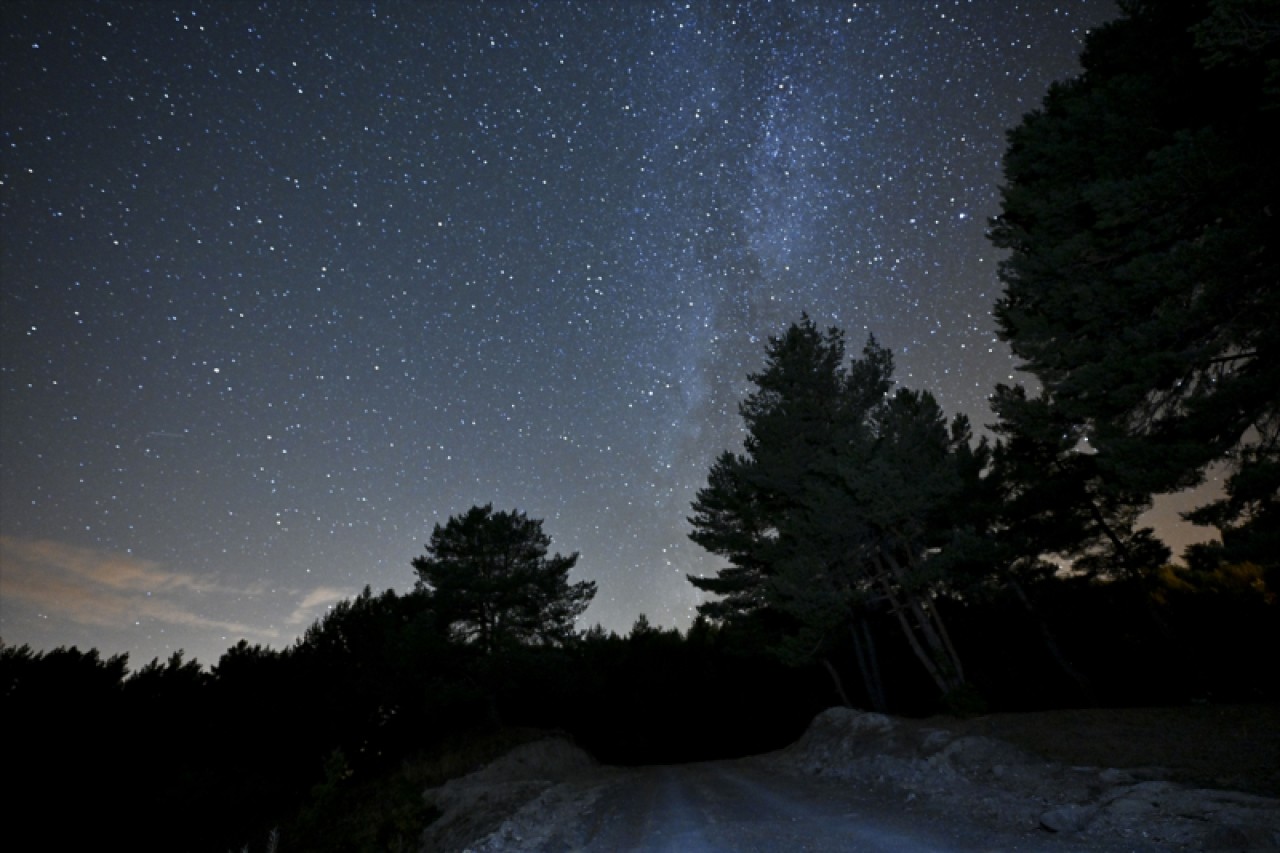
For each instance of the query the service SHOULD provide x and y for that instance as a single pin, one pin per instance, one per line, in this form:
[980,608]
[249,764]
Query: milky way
[285,285]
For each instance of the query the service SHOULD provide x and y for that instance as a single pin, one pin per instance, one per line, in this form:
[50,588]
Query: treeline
[179,757]
[331,741]
[918,567]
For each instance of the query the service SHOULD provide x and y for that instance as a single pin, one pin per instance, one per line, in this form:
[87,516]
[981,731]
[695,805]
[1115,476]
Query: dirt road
[854,782]
[743,806]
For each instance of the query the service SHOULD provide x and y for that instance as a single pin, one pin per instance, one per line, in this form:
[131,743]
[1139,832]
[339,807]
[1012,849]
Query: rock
[973,774]
[1069,818]
[933,740]
[550,759]
[1152,791]
[980,754]
[476,805]
[1129,807]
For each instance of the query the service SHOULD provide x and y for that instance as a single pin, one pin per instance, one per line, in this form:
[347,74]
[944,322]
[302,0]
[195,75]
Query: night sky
[286,284]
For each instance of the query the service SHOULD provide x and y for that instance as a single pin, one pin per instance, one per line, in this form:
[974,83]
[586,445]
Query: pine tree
[488,577]
[835,508]
[1142,287]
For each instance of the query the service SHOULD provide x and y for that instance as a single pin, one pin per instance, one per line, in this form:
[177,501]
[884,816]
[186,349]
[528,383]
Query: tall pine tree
[836,508]
[1142,288]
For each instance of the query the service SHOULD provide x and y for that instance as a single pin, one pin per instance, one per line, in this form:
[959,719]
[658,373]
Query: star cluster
[284,285]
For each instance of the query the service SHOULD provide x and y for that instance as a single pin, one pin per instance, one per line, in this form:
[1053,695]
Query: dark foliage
[845,504]
[492,585]
[332,740]
[1142,288]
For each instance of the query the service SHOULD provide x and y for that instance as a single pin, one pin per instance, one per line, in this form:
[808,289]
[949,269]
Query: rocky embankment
[527,795]
[991,780]
[541,794]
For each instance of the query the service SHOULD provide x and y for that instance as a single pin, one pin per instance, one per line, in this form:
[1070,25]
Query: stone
[1130,807]
[1069,818]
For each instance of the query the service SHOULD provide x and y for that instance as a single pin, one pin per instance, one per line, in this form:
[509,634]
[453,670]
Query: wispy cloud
[315,601]
[102,589]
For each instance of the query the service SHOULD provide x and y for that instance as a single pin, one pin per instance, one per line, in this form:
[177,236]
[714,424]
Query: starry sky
[287,284]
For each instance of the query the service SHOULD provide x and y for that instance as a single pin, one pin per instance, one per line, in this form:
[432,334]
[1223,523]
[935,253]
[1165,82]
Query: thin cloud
[313,602]
[122,572]
[101,589]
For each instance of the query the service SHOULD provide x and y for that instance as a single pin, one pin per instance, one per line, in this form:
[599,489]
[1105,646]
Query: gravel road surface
[747,806]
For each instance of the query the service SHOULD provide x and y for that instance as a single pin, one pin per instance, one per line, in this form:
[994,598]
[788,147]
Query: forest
[876,552]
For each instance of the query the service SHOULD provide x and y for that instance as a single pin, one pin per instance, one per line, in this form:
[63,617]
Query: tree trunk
[900,611]
[941,659]
[941,627]
[864,647]
[839,683]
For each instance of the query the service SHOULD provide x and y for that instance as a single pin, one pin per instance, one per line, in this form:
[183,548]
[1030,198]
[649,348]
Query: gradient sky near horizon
[287,284]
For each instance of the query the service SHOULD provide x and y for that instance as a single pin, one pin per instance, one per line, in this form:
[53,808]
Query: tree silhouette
[838,508]
[1141,284]
[489,580]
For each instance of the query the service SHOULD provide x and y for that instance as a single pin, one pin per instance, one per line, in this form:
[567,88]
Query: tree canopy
[840,504]
[489,579]
[1142,285]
